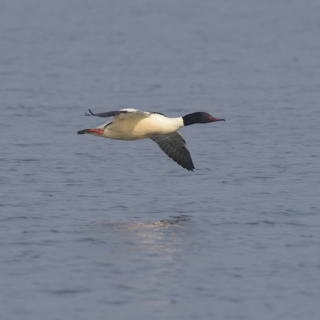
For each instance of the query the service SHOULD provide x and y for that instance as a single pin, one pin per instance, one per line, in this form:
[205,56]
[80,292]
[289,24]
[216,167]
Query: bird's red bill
[212,119]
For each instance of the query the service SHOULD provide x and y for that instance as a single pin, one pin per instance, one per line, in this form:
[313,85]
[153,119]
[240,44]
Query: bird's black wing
[174,146]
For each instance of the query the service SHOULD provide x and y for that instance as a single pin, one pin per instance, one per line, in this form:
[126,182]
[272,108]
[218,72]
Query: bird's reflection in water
[165,235]
[178,221]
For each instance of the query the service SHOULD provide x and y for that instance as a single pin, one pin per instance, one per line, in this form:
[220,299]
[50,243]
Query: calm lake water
[94,228]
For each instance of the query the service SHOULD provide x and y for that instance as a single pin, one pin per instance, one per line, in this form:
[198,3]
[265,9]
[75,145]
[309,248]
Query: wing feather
[174,146]
[123,113]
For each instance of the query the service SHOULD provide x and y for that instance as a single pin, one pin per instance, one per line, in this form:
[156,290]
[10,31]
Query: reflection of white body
[132,124]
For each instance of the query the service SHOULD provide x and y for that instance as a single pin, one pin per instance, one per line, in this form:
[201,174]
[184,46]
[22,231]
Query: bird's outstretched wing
[174,146]
[121,114]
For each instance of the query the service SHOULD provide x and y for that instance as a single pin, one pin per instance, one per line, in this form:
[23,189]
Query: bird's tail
[83,131]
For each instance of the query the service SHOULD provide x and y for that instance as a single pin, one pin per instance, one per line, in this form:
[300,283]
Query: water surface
[95,228]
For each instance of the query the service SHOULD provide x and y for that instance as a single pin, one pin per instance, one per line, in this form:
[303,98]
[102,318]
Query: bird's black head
[199,117]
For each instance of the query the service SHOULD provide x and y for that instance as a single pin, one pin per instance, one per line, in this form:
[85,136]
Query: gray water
[94,228]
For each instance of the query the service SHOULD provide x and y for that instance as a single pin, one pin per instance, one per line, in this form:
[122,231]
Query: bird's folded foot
[98,131]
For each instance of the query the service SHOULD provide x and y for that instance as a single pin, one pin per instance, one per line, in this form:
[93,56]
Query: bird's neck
[188,119]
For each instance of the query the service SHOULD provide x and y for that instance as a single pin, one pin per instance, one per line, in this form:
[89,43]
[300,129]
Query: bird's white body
[140,126]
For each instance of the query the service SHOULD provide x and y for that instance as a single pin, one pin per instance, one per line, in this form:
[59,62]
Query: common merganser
[132,124]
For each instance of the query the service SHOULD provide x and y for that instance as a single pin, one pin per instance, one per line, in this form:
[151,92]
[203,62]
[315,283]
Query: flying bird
[132,124]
